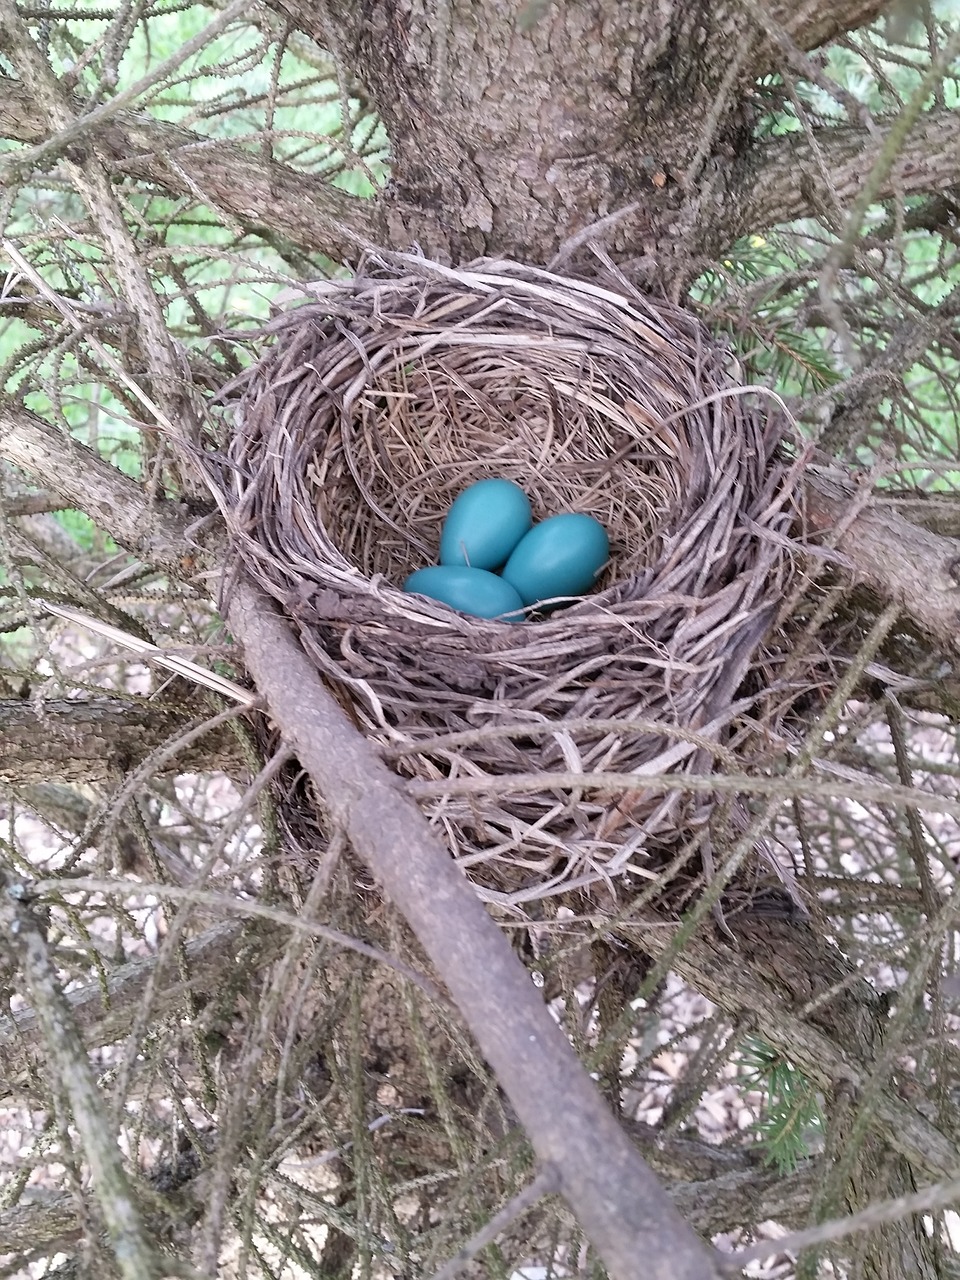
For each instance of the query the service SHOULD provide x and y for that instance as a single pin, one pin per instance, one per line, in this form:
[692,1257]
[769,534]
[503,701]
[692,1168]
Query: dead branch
[155,530]
[104,1015]
[74,1084]
[616,1198]
[722,974]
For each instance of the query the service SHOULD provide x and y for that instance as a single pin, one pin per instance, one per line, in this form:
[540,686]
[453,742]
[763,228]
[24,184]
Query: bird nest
[548,752]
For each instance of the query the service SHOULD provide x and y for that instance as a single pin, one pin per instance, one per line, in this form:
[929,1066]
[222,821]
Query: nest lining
[376,402]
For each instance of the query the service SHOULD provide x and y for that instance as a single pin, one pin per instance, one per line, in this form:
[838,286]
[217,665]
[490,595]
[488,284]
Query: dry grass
[379,399]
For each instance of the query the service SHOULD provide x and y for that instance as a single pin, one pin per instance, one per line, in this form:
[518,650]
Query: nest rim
[712,567]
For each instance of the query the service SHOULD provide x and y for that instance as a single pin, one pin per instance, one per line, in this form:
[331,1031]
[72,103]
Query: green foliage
[791,1121]
[805,321]
[84,532]
[745,297]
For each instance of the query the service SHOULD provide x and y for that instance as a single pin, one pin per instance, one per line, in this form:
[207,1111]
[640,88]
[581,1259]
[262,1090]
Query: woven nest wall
[375,403]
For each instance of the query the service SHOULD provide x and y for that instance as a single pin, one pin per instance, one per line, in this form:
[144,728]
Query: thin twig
[545,1183]
[244,907]
[938,1196]
[70,1072]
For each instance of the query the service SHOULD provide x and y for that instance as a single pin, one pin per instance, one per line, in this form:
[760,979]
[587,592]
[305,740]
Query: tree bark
[784,178]
[896,559]
[615,1197]
[154,529]
[515,129]
[773,972]
[526,123]
[95,740]
[526,136]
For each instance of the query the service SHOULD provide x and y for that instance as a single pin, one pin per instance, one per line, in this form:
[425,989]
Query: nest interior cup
[375,402]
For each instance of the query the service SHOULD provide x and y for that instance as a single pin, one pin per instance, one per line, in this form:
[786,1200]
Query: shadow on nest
[559,752]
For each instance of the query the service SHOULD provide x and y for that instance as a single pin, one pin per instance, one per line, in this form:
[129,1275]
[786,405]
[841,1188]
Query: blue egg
[484,524]
[559,557]
[473,591]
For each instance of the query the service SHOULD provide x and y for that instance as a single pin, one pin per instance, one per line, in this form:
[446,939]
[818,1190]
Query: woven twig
[377,401]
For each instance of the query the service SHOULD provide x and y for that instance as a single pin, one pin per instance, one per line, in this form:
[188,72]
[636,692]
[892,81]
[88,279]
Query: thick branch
[337,24]
[156,531]
[724,976]
[937,512]
[44,1222]
[616,1198]
[528,123]
[812,25]
[784,179]
[895,559]
[235,182]
[720,1188]
[89,740]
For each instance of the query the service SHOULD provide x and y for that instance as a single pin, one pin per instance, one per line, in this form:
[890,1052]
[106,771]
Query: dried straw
[377,401]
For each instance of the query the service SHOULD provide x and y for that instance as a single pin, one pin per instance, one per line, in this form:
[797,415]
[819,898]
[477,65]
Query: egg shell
[473,591]
[484,524]
[560,556]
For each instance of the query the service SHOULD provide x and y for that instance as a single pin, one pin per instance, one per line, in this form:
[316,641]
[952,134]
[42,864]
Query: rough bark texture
[896,559]
[805,1000]
[785,173]
[98,739]
[512,139]
[516,127]
[152,528]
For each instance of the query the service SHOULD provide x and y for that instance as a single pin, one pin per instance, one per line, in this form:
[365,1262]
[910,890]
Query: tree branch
[105,1010]
[737,1195]
[784,179]
[44,1222]
[727,977]
[155,531]
[813,25]
[236,183]
[719,1188]
[616,1198]
[896,559]
[855,409]
[937,512]
[613,1193]
[526,143]
[86,740]
[74,1085]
